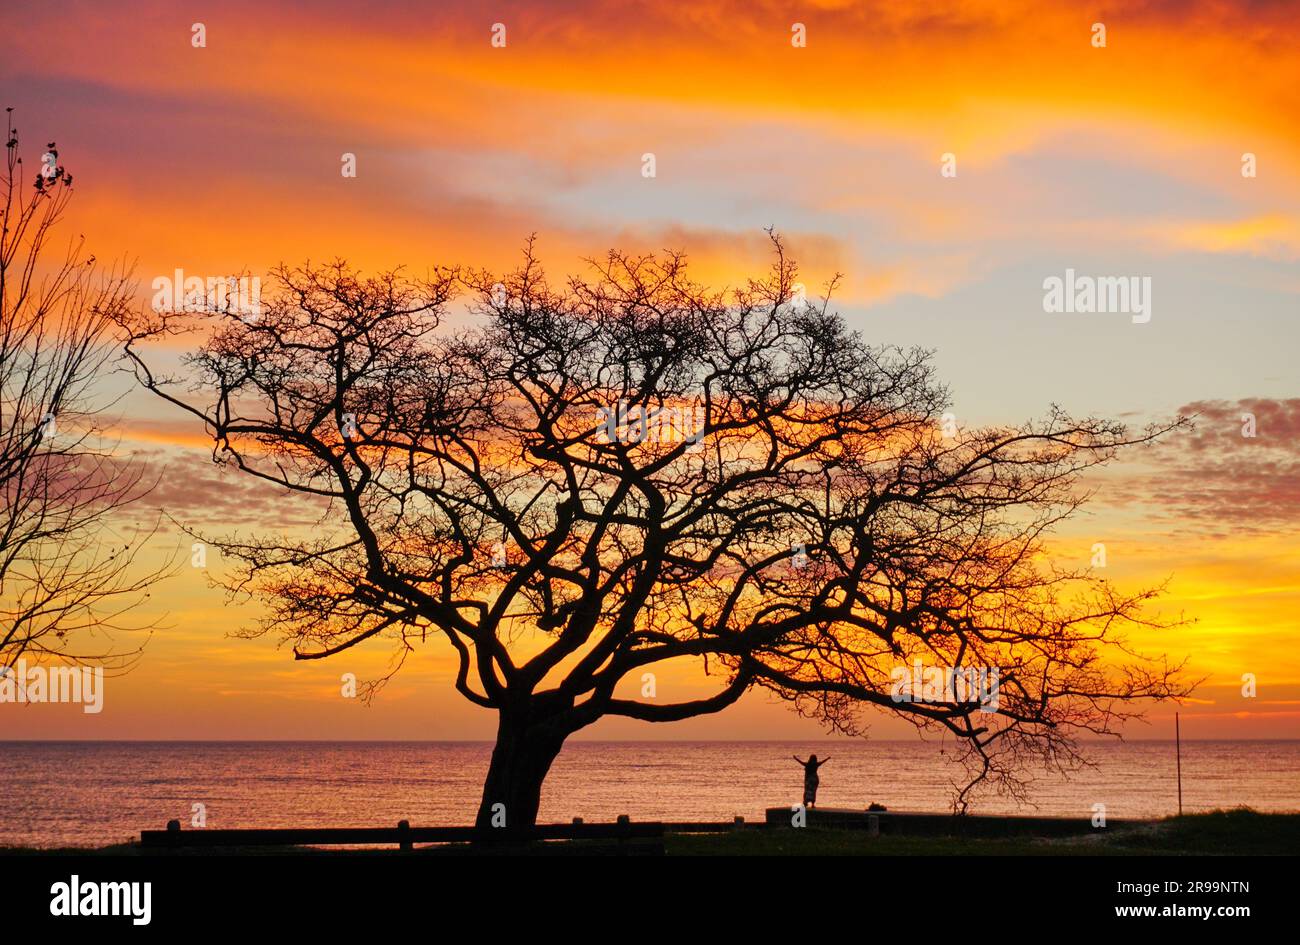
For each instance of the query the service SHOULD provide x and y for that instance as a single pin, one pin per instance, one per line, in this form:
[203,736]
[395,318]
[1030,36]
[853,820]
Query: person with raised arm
[810,779]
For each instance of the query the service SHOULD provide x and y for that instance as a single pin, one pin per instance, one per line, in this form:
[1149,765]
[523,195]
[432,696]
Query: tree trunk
[512,790]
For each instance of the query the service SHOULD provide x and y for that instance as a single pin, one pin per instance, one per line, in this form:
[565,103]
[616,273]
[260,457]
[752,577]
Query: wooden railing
[648,835]
[405,836]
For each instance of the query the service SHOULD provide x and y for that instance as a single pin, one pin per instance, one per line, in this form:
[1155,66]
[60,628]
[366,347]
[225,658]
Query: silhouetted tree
[67,575]
[582,484]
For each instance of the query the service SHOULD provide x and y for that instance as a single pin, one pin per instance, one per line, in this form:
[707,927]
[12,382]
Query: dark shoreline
[1241,831]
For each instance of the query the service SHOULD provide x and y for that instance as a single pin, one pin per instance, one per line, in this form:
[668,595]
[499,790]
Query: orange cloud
[1273,235]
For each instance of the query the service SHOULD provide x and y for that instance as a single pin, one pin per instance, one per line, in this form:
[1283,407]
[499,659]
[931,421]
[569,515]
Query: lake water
[95,793]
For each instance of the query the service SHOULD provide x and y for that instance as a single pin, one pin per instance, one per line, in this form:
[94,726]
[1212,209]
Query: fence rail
[404,835]
[649,833]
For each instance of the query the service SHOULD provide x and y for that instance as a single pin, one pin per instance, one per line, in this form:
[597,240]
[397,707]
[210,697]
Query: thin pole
[1178,748]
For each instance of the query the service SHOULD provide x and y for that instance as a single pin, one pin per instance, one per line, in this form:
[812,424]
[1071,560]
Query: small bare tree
[592,482]
[67,576]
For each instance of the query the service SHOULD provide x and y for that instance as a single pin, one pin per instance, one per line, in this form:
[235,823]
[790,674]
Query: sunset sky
[1123,160]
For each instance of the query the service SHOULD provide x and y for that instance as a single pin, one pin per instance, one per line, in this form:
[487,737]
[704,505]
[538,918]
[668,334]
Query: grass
[1241,831]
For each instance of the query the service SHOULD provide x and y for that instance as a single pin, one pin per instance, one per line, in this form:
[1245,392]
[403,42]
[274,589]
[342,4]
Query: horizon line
[591,741]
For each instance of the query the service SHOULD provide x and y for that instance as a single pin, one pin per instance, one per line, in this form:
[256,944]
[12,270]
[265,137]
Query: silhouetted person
[810,779]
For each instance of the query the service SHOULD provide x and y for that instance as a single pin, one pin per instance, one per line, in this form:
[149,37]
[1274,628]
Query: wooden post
[403,836]
[1178,753]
